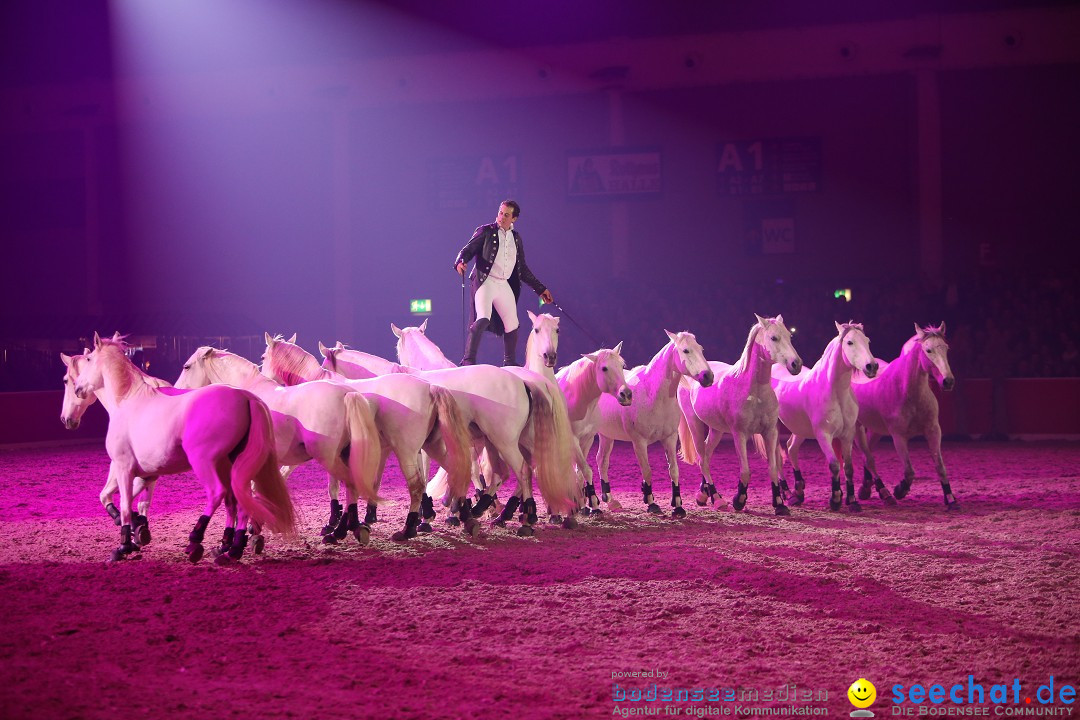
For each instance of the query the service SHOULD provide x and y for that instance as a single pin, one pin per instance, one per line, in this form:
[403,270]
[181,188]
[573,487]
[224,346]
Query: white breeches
[497,293]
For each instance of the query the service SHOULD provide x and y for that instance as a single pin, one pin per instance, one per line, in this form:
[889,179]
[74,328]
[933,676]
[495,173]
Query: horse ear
[208,353]
[423,326]
[919,332]
[618,348]
[340,345]
[532,316]
[592,357]
[292,340]
[941,328]
[269,340]
[97,340]
[396,330]
[761,320]
[117,337]
[322,349]
[780,319]
[66,359]
[839,327]
[671,335]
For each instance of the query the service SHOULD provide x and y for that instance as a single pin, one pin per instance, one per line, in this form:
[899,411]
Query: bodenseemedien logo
[862,694]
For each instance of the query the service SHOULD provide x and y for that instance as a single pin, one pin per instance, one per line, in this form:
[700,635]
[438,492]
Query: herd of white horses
[242,428]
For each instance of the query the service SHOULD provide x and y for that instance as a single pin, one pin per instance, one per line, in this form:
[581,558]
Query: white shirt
[506,258]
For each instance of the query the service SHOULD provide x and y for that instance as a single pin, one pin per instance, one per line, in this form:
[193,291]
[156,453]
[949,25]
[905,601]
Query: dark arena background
[201,173]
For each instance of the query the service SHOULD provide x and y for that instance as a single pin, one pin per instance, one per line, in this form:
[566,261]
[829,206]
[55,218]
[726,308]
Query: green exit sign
[420,307]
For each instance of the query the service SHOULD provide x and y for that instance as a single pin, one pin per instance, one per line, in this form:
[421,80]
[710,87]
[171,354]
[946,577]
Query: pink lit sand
[509,627]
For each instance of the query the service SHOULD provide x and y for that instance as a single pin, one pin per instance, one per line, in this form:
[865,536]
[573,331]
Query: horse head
[689,357]
[287,363]
[775,339]
[196,372]
[855,347]
[544,339]
[74,406]
[610,370]
[935,354]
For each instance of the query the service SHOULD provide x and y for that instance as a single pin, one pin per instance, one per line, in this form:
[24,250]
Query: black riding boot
[476,331]
[510,348]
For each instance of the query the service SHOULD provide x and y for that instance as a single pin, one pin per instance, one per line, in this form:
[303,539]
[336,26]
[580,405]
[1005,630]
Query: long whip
[579,326]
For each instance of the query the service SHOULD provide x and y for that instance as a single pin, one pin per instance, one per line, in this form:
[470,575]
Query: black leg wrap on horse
[239,542]
[114,513]
[227,538]
[739,501]
[483,502]
[901,490]
[335,517]
[412,520]
[349,521]
[676,495]
[646,491]
[590,491]
[369,515]
[528,508]
[465,513]
[427,507]
[605,489]
[509,508]
[196,535]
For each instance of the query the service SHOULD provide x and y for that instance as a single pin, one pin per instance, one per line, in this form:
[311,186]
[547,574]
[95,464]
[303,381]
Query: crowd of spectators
[997,326]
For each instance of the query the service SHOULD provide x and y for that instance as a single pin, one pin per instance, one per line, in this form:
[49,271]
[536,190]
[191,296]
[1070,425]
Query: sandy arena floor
[538,627]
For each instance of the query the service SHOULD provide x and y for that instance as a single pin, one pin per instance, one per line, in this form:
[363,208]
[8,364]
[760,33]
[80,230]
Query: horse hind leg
[669,444]
[849,473]
[371,512]
[641,450]
[215,480]
[902,489]
[603,458]
[415,482]
[707,492]
[798,495]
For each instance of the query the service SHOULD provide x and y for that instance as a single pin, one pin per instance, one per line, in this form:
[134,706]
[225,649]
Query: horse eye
[188,366]
[929,351]
[556,331]
[536,330]
[687,352]
[774,338]
[849,342]
[604,368]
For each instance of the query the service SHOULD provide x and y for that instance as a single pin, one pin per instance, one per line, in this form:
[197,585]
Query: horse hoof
[453,521]
[797,500]
[954,506]
[613,505]
[854,506]
[889,500]
[555,520]
[472,528]
[678,512]
[258,544]
[586,510]
[782,510]
[900,492]
[864,492]
[525,531]
[219,551]
[117,555]
[834,505]
[363,534]
[195,552]
[570,523]
[223,559]
[403,535]
[327,529]
[739,502]
[654,509]
[329,539]
[702,499]
[424,527]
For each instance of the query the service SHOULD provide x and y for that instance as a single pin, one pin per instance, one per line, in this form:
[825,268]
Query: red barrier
[32,417]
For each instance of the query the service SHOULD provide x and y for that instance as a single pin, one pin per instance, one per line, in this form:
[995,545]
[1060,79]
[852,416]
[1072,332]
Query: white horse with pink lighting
[899,402]
[741,402]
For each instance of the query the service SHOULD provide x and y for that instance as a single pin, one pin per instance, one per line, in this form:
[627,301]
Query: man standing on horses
[496,281]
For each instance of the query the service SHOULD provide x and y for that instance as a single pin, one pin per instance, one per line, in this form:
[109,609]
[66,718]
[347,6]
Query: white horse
[411,415]
[741,402]
[819,403]
[223,434]
[653,416]
[539,446]
[313,421]
[899,402]
[71,416]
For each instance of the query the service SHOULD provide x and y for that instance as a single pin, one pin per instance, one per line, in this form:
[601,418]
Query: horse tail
[759,443]
[365,448]
[687,451]
[257,465]
[455,437]
[552,460]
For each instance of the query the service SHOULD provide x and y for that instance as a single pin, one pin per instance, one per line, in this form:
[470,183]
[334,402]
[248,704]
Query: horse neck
[581,388]
[425,355]
[295,366]
[753,364]
[911,371]
[661,372]
[121,381]
[535,362]
[836,368]
[238,372]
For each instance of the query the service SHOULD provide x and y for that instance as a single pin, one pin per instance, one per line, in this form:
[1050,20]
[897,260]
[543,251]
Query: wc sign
[777,236]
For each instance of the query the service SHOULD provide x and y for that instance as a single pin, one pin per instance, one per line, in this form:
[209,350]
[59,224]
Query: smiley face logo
[862,693]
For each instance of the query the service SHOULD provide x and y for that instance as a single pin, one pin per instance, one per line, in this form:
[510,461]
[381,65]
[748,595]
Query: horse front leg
[333,488]
[371,512]
[122,477]
[669,444]
[933,439]
[849,473]
[798,496]
[415,482]
[739,501]
[641,450]
[772,458]
[603,457]
[901,445]
[215,479]
[866,442]
[708,492]
[347,519]
[836,496]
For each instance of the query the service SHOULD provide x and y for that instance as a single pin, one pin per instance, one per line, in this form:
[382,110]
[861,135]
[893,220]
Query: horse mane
[429,350]
[744,360]
[133,378]
[292,363]
[575,370]
[250,368]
